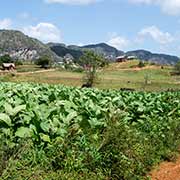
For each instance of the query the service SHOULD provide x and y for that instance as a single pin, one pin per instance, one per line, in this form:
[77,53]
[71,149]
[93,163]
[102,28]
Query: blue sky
[125,24]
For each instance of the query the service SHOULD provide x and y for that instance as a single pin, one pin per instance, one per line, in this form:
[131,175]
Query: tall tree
[91,62]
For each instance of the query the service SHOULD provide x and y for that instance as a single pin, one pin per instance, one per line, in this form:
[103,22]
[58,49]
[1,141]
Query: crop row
[120,134]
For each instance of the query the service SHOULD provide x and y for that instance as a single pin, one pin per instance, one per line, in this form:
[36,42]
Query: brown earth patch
[167,171]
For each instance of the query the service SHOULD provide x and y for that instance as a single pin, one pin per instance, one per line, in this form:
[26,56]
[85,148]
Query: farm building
[8,66]
[131,57]
[121,59]
[125,58]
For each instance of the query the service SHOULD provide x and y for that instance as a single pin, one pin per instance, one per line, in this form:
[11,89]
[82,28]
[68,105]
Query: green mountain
[62,50]
[104,49]
[19,46]
[154,57]
[111,53]
[107,51]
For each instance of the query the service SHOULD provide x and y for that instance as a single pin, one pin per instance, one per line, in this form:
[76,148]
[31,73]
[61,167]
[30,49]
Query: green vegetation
[177,68]
[28,68]
[91,63]
[57,132]
[44,62]
[5,59]
[141,64]
[126,76]
[19,62]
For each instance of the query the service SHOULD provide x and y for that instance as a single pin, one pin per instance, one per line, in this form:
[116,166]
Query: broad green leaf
[5,118]
[13,111]
[11,144]
[18,109]
[33,128]
[6,131]
[69,105]
[70,116]
[45,137]
[23,132]
[45,126]
[61,132]
[8,109]
[55,122]
[96,122]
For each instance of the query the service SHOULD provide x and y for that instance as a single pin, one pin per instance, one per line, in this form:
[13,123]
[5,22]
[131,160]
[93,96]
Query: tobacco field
[59,132]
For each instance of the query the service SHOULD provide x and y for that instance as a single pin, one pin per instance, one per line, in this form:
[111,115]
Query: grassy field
[148,78]
[27,68]
[115,76]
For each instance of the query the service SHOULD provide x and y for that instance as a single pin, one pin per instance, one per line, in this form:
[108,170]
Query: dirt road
[41,71]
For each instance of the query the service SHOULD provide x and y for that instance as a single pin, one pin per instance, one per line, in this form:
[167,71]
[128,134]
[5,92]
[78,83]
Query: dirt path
[29,72]
[41,71]
[167,171]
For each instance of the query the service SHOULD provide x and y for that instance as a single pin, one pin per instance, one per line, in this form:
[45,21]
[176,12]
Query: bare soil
[167,171]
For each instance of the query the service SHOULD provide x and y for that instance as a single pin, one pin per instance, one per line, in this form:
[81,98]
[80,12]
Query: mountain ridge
[159,58]
[111,53]
[22,47]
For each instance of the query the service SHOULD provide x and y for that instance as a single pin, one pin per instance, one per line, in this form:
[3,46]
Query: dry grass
[115,76]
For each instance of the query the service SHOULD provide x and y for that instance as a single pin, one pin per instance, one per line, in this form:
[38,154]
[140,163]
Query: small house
[8,66]
[131,57]
[121,59]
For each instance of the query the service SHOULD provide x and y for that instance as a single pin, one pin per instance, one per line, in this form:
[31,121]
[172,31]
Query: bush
[44,62]
[18,63]
[5,59]
[177,68]
[141,64]
[78,70]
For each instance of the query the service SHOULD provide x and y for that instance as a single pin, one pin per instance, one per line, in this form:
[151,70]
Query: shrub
[141,64]
[5,59]
[44,62]
[177,68]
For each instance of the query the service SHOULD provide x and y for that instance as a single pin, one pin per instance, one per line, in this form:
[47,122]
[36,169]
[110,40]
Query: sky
[153,25]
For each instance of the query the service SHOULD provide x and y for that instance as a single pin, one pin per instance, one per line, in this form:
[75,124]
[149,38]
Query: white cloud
[156,34]
[118,42]
[73,2]
[45,32]
[5,23]
[171,7]
[80,44]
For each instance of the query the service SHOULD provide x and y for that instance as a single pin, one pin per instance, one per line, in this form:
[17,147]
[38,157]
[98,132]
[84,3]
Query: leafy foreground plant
[57,132]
